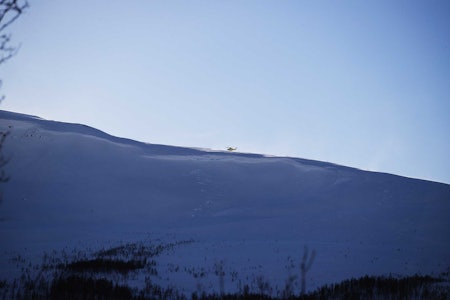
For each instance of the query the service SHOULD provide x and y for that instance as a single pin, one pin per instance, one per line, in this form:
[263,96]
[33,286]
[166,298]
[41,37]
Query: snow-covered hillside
[75,186]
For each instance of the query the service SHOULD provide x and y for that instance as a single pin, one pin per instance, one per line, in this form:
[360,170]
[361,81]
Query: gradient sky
[359,83]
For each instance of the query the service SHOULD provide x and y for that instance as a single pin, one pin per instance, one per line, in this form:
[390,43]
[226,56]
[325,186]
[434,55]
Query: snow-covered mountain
[72,185]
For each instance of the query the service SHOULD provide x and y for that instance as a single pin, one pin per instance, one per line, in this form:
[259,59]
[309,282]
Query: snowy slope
[74,185]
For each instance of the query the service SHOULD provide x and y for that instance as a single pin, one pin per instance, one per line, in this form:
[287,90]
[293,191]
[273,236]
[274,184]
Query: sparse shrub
[381,287]
[288,291]
[77,287]
[263,286]
[220,272]
[100,265]
[104,276]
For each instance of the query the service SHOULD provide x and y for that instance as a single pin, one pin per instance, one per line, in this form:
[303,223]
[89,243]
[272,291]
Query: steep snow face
[71,182]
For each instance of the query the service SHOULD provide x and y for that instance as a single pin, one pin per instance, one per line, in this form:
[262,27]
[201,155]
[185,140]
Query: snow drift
[75,185]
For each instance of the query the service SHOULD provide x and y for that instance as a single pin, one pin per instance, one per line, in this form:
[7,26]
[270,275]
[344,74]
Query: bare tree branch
[3,159]
[10,11]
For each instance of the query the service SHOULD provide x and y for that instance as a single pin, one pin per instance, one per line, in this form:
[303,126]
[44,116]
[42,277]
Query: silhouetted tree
[305,265]
[10,11]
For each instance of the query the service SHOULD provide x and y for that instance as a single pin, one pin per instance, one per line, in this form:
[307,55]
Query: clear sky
[359,83]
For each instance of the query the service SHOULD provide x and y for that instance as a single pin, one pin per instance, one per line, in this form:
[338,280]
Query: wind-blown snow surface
[72,185]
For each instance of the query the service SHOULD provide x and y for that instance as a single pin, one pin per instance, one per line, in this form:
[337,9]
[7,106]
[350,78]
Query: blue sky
[359,83]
